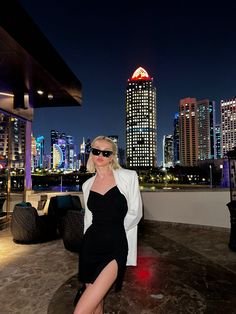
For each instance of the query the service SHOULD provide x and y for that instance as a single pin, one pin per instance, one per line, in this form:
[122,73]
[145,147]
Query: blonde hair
[114,163]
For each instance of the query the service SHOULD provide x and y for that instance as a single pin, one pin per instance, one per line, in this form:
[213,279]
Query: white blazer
[127,182]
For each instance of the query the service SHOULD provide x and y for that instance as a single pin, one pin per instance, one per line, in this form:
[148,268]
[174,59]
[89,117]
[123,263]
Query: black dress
[105,240]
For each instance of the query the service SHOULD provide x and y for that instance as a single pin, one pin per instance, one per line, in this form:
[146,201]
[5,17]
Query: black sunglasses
[97,152]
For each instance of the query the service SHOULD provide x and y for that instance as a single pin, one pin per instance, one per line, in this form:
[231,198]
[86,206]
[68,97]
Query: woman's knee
[94,293]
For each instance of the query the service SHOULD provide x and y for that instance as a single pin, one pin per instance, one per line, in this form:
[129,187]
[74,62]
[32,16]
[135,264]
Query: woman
[113,208]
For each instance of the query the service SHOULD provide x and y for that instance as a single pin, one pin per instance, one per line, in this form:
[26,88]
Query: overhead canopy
[29,63]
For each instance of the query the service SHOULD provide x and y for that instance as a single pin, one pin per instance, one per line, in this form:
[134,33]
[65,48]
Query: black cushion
[76,202]
[59,207]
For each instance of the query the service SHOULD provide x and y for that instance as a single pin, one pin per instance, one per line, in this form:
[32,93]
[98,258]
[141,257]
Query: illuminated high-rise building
[188,132]
[62,150]
[47,161]
[228,124]
[40,151]
[18,142]
[54,140]
[141,125]
[63,146]
[33,153]
[168,155]
[218,138]
[197,130]
[176,139]
[84,152]
[4,122]
[58,158]
[70,152]
[15,129]
[206,129]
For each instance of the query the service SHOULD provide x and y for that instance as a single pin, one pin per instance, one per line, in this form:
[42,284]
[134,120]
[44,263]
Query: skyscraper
[54,140]
[168,157]
[197,130]
[188,131]
[70,152]
[84,152]
[40,151]
[228,124]
[176,139]
[141,126]
[33,153]
[62,150]
[206,129]
[218,148]
[12,130]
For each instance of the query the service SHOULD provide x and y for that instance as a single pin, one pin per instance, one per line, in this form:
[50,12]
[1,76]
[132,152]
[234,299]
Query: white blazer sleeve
[134,213]
[87,214]
[87,219]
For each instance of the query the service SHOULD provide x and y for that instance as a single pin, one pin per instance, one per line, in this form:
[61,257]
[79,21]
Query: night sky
[188,47]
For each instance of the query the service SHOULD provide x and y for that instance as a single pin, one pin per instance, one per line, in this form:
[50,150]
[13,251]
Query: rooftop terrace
[181,269]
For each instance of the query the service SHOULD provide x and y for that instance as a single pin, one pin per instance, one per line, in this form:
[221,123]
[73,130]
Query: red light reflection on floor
[147,272]
[143,274]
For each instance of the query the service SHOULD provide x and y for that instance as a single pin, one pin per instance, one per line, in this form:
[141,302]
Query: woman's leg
[94,293]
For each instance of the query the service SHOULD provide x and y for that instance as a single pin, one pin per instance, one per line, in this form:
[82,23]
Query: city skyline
[188,49]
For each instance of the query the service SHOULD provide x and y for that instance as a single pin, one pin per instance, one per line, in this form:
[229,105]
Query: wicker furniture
[2,200]
[72,228]
[28,227]
[68,213]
